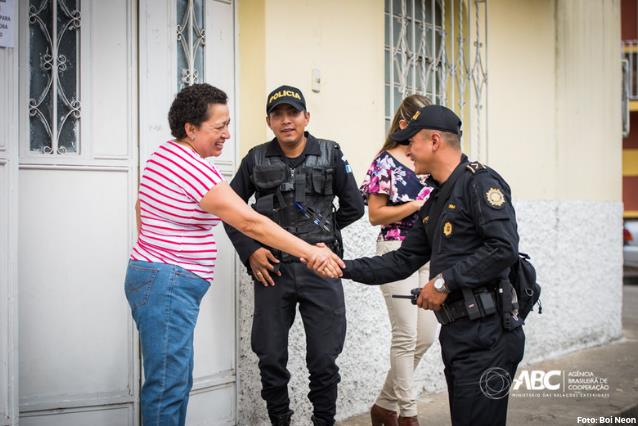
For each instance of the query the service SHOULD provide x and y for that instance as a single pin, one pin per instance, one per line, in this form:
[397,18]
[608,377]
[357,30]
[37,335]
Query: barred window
[435,48]
[190,42]
[54,91]
[413,49]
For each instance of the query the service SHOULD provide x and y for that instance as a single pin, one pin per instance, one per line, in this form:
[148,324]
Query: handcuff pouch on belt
[475,304]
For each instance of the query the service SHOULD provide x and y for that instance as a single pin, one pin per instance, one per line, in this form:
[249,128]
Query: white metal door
[77,174]
[8,233]
[169,58]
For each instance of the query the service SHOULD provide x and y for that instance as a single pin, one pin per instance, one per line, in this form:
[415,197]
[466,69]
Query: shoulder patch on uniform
[475,166]
[495,198]
[347,165]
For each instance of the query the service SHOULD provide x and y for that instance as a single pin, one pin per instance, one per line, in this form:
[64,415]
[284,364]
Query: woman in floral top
[395,194]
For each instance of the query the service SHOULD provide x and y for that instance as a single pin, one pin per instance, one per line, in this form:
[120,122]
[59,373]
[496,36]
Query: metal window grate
[54,93]
[436,48]
[190,42]
[629,65]
[630,54]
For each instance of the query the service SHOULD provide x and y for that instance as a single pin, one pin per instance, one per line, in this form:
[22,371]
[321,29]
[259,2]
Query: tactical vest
[299,199]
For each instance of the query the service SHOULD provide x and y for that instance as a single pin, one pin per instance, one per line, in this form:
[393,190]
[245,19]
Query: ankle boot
[408,421]
[382,417]
[281,419]
[319,422]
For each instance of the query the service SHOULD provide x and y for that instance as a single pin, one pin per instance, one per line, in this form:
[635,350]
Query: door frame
[9,66]
[155,93]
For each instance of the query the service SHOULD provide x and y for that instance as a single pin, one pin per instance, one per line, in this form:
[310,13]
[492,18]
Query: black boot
[281,419]
[319,422]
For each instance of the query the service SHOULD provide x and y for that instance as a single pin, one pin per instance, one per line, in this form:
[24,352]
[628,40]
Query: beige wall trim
[252,73]
[554,94]
[588,100]
[521,94]
[282,42]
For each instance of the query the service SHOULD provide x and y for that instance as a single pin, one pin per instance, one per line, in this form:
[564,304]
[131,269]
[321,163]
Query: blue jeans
[164,301]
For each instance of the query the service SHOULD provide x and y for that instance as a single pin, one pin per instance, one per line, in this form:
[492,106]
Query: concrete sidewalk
[617,362]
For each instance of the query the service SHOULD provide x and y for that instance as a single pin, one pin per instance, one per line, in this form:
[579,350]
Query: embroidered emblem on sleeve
[495,198]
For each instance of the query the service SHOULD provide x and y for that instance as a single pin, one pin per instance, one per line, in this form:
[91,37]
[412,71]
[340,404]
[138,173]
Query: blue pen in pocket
[316,218]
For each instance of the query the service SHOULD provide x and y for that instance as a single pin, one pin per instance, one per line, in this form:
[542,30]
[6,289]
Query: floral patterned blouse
[390,177]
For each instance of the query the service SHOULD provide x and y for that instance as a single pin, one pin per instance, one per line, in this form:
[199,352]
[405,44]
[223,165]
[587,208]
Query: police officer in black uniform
[295,178]
[468,232]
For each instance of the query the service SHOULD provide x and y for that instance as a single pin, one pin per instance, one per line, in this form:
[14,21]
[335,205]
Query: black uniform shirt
[475,239]
[345,188]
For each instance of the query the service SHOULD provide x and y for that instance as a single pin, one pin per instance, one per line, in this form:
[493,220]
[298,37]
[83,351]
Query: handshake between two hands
[321,260]
[326,264]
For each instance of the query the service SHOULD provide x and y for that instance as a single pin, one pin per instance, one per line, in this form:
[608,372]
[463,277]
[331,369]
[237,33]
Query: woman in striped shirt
[181,198]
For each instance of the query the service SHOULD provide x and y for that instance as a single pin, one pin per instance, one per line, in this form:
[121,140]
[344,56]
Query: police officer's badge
[495,198]
[447,229]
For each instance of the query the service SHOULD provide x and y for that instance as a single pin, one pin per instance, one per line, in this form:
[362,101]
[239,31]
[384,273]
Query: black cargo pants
[322,309]
[480,359]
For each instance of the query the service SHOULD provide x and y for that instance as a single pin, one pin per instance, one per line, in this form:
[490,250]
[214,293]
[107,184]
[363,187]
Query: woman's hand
[380,213]
[324,262]
[262,264]
[417,204]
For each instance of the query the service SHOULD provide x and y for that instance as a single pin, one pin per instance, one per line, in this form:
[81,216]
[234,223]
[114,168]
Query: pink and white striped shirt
[175,230]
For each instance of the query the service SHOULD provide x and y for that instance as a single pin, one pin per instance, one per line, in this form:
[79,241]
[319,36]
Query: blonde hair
[406,110]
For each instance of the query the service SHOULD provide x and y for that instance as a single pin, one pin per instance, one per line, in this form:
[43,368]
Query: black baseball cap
[285,95]
[433,117]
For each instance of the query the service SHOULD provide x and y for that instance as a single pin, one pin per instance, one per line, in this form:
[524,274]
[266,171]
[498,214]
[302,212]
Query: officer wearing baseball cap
[286,95]
[433,117]
[295,178]
[467,230]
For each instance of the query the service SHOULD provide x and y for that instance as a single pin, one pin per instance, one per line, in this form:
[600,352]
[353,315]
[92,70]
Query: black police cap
[432,117]
[285,95]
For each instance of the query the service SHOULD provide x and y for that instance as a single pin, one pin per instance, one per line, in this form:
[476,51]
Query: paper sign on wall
[7,23]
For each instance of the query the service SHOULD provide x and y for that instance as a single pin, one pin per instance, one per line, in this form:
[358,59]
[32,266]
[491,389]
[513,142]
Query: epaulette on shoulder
[329,142]
[475,167]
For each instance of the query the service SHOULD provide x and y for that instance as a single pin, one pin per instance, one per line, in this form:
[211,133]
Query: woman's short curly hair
[191,106]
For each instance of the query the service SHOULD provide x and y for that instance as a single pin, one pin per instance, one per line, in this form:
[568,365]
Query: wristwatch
[439,284]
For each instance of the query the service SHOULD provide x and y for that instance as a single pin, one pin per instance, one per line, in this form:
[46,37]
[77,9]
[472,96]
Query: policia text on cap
[295,178]
[470,246]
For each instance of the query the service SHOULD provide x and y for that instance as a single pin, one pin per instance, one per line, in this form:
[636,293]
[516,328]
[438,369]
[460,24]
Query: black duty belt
[482,305]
